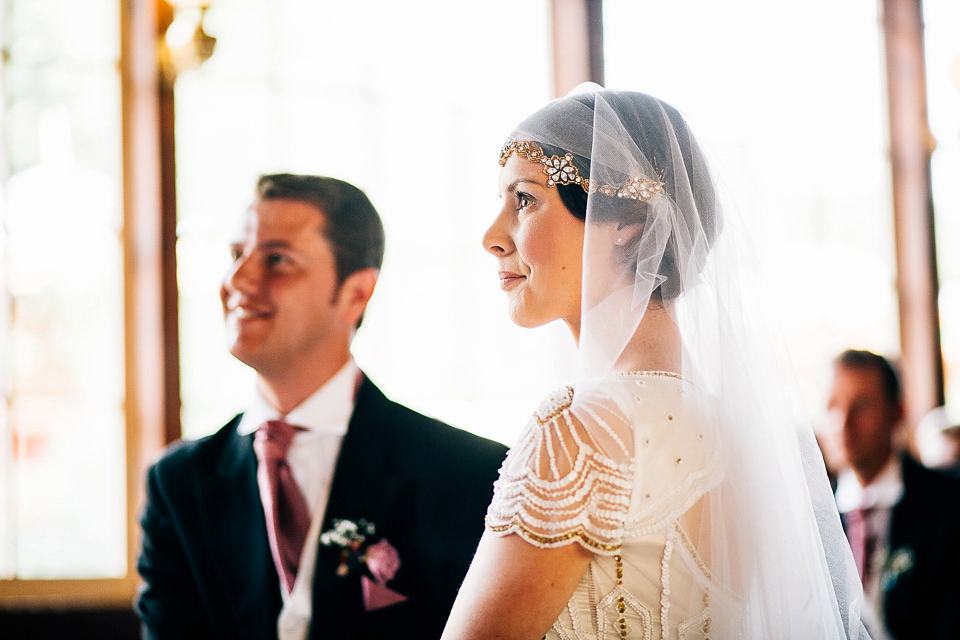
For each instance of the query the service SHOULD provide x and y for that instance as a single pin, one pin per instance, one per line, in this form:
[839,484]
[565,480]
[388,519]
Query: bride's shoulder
[574,430]
[613,393]
[658,407]
[589,415]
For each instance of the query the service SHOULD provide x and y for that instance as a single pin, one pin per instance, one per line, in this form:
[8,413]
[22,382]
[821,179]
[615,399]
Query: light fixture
[185,45]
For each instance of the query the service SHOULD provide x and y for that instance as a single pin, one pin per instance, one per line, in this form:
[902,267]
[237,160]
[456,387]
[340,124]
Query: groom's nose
[244,277]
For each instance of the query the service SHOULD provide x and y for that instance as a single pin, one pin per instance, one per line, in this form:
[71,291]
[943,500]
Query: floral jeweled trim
[561,170]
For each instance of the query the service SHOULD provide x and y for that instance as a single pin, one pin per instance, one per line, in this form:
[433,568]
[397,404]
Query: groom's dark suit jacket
[920,582]
[205,559]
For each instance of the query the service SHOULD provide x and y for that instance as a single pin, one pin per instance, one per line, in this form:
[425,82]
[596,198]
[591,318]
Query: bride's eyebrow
[513,185]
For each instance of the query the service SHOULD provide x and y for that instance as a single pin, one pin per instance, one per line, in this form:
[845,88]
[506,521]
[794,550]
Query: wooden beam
[170,298]
[577,27]
[152,366]
[911,145]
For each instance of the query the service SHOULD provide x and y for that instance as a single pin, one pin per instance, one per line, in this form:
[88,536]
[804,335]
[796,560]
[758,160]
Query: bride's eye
[523,200]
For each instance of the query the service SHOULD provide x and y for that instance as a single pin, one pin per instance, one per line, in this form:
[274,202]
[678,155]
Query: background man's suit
[922,600]
[206,559]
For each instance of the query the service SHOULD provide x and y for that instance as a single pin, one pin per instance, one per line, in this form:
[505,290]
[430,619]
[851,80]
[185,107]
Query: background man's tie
[288,517]
[863,540]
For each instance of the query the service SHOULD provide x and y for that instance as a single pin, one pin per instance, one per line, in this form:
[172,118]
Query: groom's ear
[355,292]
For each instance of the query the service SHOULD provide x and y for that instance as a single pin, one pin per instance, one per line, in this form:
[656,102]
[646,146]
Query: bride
[673,492]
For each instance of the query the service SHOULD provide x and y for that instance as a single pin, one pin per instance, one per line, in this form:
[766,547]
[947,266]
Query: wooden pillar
[170,300]
[577,43]
[911,145]
[152,379]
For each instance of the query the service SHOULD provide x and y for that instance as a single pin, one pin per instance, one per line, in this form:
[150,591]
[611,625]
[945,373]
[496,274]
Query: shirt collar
[884,492]
[327,410]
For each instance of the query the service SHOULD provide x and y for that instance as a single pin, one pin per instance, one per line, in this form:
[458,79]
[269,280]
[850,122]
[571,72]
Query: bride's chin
[523,317]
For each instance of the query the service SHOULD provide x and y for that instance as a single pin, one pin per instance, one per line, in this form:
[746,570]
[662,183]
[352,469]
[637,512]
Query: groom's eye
[275,259]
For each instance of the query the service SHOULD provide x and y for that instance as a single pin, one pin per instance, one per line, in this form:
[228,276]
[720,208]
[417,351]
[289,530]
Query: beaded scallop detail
[598,466]
[570,476]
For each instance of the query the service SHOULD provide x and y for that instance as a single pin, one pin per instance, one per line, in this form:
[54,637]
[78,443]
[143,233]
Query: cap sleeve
[570,475]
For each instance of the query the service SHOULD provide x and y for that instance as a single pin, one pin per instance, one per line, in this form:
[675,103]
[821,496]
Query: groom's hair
[351,223]
[861,359]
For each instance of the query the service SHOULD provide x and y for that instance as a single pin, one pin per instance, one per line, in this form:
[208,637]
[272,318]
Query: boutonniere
[898,562]
[360,549]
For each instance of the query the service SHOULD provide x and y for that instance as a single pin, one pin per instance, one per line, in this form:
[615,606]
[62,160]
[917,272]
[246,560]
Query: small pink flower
[383,561]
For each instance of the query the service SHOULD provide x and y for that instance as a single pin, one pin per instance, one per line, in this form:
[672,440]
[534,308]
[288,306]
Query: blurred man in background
[902,520]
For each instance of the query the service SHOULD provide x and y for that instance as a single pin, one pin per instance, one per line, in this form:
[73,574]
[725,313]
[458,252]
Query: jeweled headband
[561,170]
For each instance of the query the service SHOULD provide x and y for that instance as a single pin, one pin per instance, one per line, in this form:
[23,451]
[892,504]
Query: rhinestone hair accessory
[561,170]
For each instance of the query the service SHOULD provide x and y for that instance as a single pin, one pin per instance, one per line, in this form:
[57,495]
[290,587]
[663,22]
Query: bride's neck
[655,345]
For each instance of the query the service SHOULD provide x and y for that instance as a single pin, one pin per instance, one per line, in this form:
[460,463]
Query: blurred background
[132,133]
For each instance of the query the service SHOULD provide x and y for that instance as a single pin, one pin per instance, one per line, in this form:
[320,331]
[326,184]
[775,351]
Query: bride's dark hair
[642,117]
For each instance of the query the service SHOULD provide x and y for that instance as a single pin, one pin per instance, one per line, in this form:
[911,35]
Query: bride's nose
[497,239]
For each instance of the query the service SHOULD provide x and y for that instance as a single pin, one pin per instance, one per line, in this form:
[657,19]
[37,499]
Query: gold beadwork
[580,534]
[561,170]
[652,373]
[621,603]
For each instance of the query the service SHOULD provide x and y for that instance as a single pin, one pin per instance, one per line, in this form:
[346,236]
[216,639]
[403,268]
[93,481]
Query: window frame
[151,408]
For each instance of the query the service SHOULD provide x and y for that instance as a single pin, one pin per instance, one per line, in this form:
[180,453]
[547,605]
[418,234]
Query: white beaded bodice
[622,467]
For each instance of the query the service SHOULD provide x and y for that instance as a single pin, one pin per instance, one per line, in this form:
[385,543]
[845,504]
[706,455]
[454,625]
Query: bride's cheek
[537,243]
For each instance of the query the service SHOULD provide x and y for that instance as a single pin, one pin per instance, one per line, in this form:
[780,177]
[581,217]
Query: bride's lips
[508,279]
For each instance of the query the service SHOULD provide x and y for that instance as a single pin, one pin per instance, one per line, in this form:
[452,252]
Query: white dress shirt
[881,495]
[312,457]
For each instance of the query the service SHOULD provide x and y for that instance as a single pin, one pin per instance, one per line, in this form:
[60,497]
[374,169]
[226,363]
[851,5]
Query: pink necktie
[862,540]
[288,517]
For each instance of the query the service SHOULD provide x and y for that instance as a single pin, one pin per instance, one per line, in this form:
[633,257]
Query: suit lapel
[365,485]
[229,503]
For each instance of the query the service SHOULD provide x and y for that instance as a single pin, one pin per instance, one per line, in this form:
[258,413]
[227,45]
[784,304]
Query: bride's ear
[625,233]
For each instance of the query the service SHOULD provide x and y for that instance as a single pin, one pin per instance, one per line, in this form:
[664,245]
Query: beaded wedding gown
[625,468]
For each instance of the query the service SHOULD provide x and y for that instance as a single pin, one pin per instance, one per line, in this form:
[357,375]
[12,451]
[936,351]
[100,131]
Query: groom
[304,543]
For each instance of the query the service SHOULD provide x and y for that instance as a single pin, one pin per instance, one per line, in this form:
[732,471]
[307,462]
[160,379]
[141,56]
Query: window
[415,116]
[799,134]
[63,505]
[943,88]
